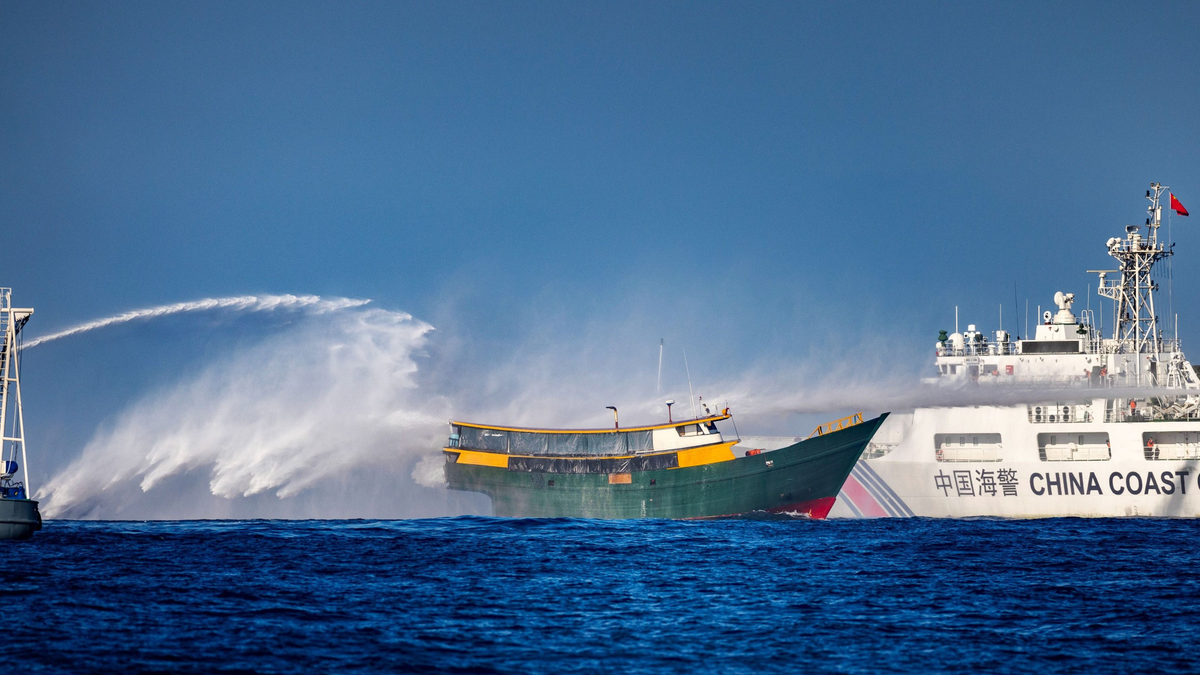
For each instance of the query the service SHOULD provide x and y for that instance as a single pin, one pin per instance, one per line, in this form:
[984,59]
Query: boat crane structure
[19,516]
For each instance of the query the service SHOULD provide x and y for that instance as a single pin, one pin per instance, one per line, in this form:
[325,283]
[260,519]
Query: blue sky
[761,182]
[582,155]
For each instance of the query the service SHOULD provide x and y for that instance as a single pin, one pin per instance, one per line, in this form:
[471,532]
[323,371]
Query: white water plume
[337,399]
[252,303]
[310,404]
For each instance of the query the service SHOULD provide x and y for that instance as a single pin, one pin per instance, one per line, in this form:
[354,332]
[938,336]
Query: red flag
[1177,206]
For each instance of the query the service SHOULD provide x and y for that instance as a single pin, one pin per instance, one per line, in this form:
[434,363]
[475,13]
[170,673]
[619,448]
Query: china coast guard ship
[1107,425]
[19,516]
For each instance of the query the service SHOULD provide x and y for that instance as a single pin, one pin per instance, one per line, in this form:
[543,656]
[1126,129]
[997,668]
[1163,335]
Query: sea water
[480,595]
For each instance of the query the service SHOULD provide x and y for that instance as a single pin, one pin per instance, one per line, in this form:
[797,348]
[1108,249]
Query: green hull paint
[809,470]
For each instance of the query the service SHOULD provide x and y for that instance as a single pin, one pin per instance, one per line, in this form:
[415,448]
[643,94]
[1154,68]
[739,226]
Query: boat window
[688,430]
[555,444]
[954,447]
[712,427]
[1171,445]
[1089,447]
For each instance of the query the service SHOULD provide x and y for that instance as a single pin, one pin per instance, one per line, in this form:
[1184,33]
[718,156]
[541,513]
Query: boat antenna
[616,422]
[660,353]
[1016,307]
[691,395]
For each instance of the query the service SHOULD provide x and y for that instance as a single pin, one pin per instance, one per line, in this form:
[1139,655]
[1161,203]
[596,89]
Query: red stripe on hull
[814,508]
[858,495]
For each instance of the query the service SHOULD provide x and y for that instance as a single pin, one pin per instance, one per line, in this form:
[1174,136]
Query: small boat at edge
[19,516]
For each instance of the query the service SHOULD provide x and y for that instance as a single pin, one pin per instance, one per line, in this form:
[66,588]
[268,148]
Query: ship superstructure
[1117,431]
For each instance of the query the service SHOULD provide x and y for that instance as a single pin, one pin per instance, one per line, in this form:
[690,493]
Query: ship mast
[1135,327]
[12,434]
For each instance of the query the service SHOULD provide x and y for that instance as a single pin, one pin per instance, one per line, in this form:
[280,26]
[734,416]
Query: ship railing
[1139,245]
[982,349]
[1056,413]
[1148,414]
[1127,345]
[559,443]
[1056,381]
[837,425]
[1170,346]
[1065,381]
[1123,415]
[1171,452]
[1092,343]
[1081,413]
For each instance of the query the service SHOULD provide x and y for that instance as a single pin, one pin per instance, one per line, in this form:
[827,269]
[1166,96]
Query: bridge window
[1171,445]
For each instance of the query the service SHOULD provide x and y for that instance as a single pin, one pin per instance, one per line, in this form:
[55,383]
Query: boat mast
[691,394]
[12,320]
[1135,326]
[660,353]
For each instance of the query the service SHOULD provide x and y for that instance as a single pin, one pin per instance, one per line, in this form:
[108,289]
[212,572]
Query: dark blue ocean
[482,595]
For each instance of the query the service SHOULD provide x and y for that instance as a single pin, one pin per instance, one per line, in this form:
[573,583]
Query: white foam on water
[305,405]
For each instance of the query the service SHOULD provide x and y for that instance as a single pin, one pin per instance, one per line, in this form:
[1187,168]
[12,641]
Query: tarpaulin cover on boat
[606,444]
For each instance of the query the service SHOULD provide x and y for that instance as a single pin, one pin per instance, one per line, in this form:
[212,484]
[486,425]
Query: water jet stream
[252,303]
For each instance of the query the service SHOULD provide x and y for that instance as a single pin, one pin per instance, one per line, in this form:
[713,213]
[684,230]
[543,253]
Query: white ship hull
[1123,438]
[1008,462]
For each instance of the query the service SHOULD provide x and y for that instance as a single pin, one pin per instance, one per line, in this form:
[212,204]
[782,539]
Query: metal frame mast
[12,320]
[1135,323]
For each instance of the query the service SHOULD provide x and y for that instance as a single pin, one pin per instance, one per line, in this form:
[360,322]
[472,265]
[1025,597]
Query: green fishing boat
[681,469]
